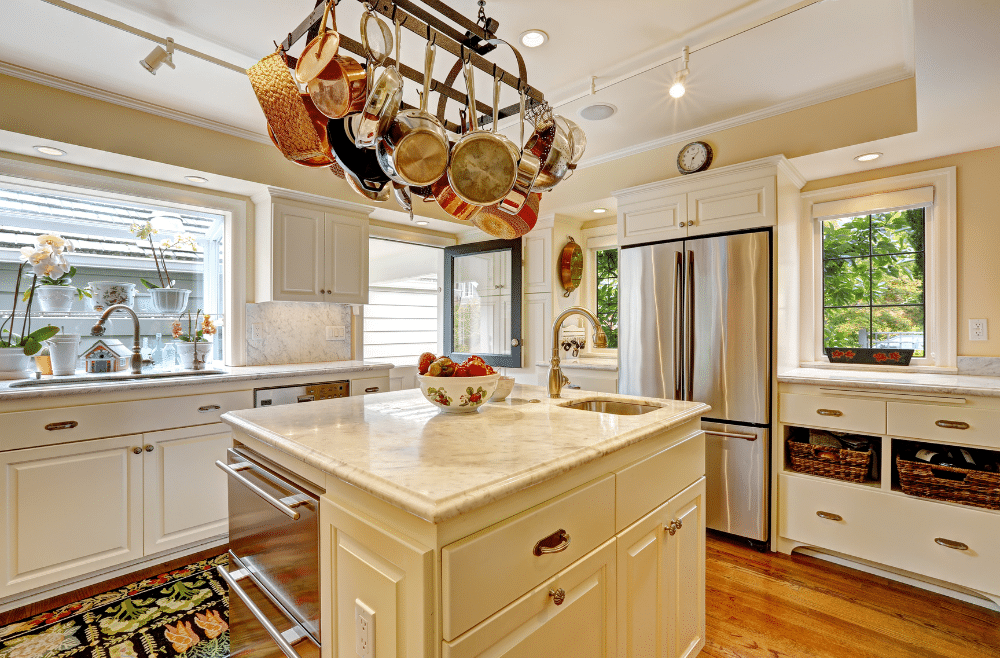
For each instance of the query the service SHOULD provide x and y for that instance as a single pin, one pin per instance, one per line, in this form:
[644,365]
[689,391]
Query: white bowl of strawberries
[456,387]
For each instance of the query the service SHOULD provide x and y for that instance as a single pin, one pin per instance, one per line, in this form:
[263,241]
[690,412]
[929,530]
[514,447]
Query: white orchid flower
[35,255]
[56,242]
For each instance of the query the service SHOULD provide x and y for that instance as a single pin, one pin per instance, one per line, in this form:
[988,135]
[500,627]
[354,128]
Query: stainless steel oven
[273,575]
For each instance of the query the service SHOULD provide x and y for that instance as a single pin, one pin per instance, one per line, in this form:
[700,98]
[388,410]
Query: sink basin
[609,407]
[95,379]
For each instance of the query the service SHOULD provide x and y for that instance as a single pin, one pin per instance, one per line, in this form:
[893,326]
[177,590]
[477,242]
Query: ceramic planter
[55,299]
[170,300]
[185,352]
[14,363]
[109,293]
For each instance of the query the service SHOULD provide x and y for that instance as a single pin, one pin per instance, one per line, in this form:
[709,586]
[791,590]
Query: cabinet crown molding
[763,165]
[269,195]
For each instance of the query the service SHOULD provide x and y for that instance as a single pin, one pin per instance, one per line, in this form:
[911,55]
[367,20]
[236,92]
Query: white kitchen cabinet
[69,510]
[312,251]
[185,494]
[537,316]
[661,579]
[369,385]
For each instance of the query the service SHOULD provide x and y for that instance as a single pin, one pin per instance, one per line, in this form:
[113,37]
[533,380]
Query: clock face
[696,156]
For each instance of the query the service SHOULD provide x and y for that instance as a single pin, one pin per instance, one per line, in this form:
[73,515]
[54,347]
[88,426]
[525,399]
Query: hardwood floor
[777,606]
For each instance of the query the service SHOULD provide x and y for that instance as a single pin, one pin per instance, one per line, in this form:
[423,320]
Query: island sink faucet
[556,378]
[99,329]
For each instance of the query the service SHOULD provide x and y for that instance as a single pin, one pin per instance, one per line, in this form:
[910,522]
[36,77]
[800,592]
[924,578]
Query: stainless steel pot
[383,102]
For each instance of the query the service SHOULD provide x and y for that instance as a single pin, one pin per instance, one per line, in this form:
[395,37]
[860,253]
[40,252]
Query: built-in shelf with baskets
[976,487]
[845,456]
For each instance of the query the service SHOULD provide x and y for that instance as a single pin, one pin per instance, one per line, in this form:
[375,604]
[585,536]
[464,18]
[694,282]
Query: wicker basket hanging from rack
[286,113]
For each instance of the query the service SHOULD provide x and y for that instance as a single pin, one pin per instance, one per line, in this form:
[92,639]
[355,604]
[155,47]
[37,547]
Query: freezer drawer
[736,478]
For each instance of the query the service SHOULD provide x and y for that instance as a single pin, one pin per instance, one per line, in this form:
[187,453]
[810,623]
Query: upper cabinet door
[298,254]
[652,218]
[747,204]
[346,260]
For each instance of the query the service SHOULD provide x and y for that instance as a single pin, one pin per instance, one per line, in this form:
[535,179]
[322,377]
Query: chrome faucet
[99,329]
[556,378]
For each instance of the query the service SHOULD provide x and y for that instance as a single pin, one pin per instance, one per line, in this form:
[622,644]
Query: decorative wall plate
[571,266]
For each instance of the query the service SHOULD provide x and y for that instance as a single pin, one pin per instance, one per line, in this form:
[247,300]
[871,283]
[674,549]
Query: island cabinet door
[661,580]
[186,495]
[69,510]
[571,614]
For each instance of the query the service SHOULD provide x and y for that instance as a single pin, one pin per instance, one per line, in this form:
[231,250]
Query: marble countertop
[399,448]
[585,363]
[229,374]
[906,382]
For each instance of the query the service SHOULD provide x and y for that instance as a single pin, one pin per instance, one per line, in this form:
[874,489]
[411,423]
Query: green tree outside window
[607,294]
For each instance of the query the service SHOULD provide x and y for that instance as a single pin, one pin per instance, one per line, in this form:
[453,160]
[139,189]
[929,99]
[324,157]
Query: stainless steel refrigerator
[695,324]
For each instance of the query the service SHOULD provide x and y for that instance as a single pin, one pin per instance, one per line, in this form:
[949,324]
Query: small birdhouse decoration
[107,356]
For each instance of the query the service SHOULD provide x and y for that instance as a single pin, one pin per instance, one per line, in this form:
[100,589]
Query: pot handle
[522,80]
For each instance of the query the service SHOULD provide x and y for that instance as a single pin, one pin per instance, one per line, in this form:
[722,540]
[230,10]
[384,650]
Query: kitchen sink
[611,407]
[95,379]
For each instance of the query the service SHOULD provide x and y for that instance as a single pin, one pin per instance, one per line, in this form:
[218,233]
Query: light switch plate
[336,333]
[978,329]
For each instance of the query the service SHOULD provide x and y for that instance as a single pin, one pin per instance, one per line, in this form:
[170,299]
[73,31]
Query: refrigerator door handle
[689,338]
[678,310]
[732,435]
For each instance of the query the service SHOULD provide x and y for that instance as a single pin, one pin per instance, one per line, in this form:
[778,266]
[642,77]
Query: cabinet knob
[137,450]
[514,342]
[682,224]
[674,526]
[558,595]
[829,516]
[149,447]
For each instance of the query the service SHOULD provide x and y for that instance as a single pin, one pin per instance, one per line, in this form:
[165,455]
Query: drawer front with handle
[850,414]
[369,385]
[951,424]
[953,543]
[485,571]
[68,424]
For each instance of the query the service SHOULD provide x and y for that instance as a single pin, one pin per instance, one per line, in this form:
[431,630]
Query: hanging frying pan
[383,102]
[362,164]
[321,51]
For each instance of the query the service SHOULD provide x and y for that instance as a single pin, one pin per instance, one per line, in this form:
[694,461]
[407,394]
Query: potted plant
[55,291]
[166,298]
[16,350]
[192,346]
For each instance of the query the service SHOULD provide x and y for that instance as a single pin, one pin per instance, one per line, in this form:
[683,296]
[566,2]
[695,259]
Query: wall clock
[696,156]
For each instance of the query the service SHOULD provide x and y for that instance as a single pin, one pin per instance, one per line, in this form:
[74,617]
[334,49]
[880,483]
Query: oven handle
[275,634]
[286,509]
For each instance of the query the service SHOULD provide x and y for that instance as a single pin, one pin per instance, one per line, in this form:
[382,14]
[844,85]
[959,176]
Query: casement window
[606,292]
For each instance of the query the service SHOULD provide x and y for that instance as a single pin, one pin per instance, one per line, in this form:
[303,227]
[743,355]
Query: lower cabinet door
[186,494]
[661,579]
[69,510]
[572,614]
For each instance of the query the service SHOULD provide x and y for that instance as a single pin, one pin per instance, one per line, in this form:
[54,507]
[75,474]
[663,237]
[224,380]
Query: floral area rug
[181,613]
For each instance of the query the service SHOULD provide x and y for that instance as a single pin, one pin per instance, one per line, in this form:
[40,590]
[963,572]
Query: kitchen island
[524,529]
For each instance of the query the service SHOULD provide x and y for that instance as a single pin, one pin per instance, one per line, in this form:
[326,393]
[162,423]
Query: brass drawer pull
[558,595]
[952,424]
[65,425]
[947,543]
[829,516]
[373,389]
[830,412]
[208,407]
[557,542]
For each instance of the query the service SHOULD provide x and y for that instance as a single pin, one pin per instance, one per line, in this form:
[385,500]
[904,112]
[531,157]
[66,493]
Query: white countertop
[399,448]
[229,374]
[902,381]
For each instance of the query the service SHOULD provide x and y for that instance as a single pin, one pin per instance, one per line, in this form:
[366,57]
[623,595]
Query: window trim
[597,239]
[940,279]
[121,187]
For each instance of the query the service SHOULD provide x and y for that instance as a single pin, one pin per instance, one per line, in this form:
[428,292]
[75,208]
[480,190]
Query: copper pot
[321,51]
[340,89]
[501,224]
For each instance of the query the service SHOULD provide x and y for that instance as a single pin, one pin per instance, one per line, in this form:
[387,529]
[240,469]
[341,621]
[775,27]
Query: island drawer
[67,424]
[644,485]
[951,424]
[839,413]
[484,572]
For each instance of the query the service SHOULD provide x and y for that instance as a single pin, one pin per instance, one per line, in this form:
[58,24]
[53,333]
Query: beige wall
[978,182]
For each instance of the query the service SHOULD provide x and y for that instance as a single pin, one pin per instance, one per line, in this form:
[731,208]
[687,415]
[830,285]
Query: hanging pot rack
[426,25]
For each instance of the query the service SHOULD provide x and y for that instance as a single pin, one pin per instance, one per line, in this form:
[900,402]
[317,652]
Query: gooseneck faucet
[99,329]
[556,378]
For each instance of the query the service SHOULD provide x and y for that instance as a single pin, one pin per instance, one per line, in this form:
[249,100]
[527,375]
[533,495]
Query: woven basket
[830,462]
[286,113]
[977,488]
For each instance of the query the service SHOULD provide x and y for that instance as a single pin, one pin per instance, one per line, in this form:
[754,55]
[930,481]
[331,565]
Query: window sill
[826,365]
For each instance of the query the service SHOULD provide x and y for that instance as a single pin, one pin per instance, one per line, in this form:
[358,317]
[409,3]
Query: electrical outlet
[336,333]
[364,630]
[978,330]
[256,331]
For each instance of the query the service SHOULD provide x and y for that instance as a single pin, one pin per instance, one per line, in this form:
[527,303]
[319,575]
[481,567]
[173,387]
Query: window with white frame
[601,283]
[883,268]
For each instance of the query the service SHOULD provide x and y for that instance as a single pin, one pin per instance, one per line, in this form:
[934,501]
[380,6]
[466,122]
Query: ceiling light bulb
[868,157]
[50,150]
[196,179]
[159,57]
[677,89]
[534,38]
[600,211]
[422,223]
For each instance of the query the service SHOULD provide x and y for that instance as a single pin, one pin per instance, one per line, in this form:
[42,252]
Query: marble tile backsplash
[988,366]
[295,332]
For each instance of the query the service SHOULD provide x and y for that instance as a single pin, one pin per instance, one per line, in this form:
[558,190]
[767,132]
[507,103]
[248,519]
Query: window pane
[846,237]
[899,327]
[897,279]
[846,282]
[845,327]
[607,294]
[897,232]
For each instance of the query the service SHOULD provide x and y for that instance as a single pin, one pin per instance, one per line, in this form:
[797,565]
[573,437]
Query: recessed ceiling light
[600,211]
[50,150]
[422,223]
[868,157]
[534,38]
[196,179]
[598,111]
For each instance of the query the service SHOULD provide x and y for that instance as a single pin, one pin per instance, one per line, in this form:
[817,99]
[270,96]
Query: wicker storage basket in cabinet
[956,485]
[827,461]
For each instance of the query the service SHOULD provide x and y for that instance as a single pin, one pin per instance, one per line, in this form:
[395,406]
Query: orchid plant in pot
[166,297]
[192,345]
[16,350]
[55,290]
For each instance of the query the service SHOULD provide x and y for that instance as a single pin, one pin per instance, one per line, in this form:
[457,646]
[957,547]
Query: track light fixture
[677,89]
[159,57]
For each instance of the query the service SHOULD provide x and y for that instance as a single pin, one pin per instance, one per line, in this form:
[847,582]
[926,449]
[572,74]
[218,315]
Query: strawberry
[424,362]
[477,369]
[461,370]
